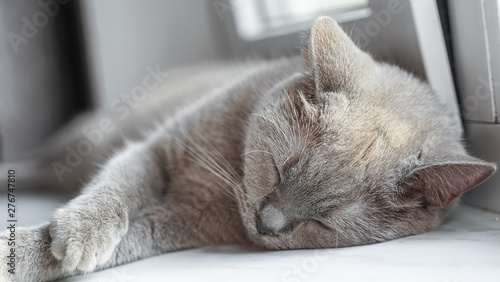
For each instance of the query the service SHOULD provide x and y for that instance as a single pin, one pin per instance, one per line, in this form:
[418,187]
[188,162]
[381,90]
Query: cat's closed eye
[276,175]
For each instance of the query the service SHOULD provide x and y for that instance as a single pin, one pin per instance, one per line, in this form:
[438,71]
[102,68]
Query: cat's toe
[83,257]
[57,247]
[103,257]
[72,256]
[88,262]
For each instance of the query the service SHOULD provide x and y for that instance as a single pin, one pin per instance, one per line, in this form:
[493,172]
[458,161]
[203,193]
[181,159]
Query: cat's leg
[159,231]
[85,231]
[29,258]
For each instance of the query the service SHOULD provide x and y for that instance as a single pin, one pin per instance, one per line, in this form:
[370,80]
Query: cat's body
[326,150]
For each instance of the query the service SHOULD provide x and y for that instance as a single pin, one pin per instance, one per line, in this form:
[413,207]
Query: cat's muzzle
[270,220]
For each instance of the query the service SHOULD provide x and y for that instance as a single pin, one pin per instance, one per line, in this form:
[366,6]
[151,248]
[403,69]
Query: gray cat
[327,150]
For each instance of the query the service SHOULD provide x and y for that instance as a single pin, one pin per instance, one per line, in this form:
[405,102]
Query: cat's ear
[442,182]
[334,60]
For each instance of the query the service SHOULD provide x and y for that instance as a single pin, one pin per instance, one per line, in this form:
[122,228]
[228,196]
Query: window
[263,18]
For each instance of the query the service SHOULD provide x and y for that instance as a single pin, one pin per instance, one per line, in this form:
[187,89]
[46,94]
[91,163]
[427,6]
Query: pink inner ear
[440,184]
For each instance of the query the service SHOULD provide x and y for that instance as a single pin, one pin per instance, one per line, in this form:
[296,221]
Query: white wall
[125,36]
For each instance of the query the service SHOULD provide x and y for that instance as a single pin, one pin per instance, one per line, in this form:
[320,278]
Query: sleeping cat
[329,149]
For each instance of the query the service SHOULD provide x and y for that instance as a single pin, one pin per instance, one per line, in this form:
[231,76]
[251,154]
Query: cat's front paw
[84,236]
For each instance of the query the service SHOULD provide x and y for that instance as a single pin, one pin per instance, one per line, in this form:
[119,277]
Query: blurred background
[60,58]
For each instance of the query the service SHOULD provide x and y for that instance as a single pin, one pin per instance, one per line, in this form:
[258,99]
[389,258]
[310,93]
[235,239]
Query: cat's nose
[270,221]
[262,229]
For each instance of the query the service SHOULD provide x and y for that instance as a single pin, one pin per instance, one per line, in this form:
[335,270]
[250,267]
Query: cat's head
[351,151]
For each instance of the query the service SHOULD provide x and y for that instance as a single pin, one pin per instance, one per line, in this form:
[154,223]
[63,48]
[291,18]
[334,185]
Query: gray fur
[326,150]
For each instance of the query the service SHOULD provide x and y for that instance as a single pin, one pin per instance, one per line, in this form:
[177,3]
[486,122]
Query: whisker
[229,170]
[201,162]
[222,159]
[264,164]
[256,151]
[207,160]
[274,123]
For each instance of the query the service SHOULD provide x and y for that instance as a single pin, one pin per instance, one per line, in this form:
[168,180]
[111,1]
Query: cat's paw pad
[85,237]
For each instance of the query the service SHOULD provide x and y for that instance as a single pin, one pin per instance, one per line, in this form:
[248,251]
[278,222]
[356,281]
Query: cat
[328,149]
